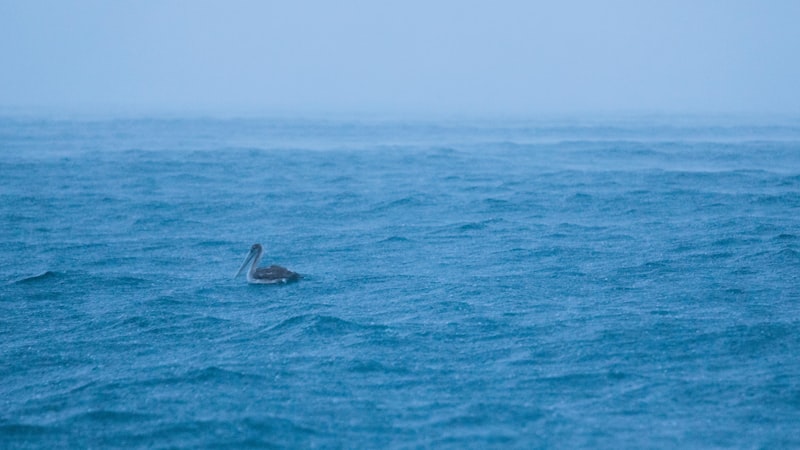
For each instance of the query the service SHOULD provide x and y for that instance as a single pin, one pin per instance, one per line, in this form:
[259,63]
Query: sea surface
[629,282]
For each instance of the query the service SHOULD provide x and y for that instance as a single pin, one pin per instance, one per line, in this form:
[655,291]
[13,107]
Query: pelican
[265,275]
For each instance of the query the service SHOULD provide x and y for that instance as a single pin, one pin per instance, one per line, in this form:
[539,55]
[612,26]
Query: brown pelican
[265,275]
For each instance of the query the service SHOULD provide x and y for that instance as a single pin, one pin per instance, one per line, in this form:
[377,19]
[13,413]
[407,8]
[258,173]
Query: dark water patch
[189,179]
[86,246]
[733,242]
[442,153]
[17,430]
[122,281]
[735,291]
[170,300]
[374,367]
[544,252]
[650,268]
[466,228]
[25,435]
[215,243]
[109,418]
[567,227]
[761,338]
[408,202]
[789,199]
[214,375]
[395,239]
[637,193]
[257,432]
[167,378]
[472,226]
[454,305]
[519,253]
[497,203]
[571,382]
[766,228]
[789,255]
[22,219]
[718,255]
[339,198]
[118,261]
[580,197]
[136,322]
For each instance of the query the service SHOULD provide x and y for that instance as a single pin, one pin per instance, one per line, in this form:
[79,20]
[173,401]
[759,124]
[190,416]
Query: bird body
[265,275]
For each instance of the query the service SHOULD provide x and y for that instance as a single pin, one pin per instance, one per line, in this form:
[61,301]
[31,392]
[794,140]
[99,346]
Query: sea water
[561,283]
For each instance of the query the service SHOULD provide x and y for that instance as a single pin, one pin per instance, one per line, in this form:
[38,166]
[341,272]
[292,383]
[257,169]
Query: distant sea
[567,283]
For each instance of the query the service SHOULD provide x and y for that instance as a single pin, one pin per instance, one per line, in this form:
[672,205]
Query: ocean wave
[395,239]
[462,228]
[26,435]
[498,204]
[472,226]
[789,255]
[404,202]
[218,374]
[109,417]
[213,243]
[373,366]
[259,431]
[788,199]
[46,276]
[321,325]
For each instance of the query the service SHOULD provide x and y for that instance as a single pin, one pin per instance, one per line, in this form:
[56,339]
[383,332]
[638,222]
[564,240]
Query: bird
[265,275]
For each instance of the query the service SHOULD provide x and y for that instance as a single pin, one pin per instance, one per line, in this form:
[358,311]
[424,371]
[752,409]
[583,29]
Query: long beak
[244,264]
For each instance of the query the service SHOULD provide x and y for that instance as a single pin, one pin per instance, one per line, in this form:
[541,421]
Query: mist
[412,58]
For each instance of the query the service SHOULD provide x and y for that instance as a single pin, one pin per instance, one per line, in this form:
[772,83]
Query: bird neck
[256,261]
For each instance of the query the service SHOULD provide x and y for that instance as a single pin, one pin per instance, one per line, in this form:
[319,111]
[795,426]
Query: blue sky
[411,57]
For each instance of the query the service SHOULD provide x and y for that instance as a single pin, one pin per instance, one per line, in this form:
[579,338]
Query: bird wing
[275,273]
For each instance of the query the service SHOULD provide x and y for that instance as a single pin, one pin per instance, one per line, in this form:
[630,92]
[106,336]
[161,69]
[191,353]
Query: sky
[411,57]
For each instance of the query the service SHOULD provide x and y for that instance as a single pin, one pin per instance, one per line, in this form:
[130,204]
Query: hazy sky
[406,57]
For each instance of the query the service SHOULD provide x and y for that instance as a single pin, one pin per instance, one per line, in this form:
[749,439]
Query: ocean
[568,283]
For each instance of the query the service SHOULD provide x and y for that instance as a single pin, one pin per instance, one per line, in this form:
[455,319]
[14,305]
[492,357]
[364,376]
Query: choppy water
[466,285]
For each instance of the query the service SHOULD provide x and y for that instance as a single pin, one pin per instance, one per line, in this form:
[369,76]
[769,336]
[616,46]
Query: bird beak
[244,263]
